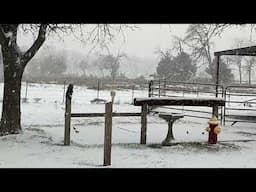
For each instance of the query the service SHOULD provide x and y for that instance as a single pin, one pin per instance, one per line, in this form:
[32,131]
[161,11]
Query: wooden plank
[179,101]
[178,109]
[87,114]
[108,134]
[150,88]
[125,114]
[64,92]
[143,135]
[237,109]
[103,114]
[68,115]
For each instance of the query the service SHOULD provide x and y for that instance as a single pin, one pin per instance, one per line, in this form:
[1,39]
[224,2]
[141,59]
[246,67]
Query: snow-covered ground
[41,143]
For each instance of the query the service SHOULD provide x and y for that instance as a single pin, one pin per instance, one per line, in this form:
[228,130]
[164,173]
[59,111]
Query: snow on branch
[3,39]
[8,34]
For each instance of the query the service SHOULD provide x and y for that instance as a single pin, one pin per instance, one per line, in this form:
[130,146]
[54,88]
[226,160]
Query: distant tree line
[53,65]
[176,68]
[176,64]
[50,64]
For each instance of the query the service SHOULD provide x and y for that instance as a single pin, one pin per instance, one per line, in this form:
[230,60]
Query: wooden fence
[108,123]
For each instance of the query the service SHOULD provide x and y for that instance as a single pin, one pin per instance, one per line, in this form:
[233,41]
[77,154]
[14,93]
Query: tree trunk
[14,62]
[10,121]
[249,76]
[250,71]
[240,74]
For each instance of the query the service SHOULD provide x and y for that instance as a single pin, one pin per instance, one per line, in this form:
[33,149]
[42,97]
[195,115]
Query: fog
[140,45]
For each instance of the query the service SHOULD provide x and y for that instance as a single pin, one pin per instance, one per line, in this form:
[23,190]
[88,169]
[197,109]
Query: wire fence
[240,100]
[36,93]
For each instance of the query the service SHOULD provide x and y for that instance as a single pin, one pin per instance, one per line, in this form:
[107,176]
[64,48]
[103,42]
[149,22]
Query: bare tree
[112,64]
[227,75]
[83,65]
[250,64]
[54,64]
[98,63]
[117,62]
[199,39]
[237,60]
[168,53]
[178,68]
[177,44]
[15,61]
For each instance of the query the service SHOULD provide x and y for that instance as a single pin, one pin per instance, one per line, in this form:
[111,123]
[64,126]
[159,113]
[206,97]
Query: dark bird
[75,130]
[187,132]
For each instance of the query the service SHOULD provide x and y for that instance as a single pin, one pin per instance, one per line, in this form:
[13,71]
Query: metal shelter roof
[244,51]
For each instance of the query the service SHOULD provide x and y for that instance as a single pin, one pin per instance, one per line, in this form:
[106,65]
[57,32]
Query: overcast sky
[143,41]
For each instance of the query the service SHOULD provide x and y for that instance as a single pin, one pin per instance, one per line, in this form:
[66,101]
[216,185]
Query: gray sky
[143,41]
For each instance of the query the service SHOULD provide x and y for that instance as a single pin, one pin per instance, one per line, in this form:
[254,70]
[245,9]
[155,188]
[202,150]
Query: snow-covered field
[41,143]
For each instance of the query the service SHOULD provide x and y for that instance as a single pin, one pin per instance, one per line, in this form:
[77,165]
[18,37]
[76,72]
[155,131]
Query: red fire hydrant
[213,130]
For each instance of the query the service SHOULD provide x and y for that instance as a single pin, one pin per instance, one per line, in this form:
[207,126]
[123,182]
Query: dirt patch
[40,131]
[198,146]
[248,134]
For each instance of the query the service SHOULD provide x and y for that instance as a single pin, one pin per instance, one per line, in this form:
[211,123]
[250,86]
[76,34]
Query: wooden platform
[183,101]
[186,101]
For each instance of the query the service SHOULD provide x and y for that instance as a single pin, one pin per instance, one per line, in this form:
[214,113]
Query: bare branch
[199,37]
[177,44]
[36,45]
[103,34]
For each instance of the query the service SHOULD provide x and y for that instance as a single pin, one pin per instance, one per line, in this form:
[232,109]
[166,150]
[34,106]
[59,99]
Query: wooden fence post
[98,89]
[68,114]
[133,87]
[150,90]
[63,100]
[108,134]
[215,111]
[143,135]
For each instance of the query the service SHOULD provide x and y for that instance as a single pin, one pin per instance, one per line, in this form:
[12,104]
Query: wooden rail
[108,123]
[188,101]
[103,114]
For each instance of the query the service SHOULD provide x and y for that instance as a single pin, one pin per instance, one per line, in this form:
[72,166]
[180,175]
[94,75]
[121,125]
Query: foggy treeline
[189,58]
[56,65]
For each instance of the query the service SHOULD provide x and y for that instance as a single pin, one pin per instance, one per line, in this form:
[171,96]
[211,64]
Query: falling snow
[41,142]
